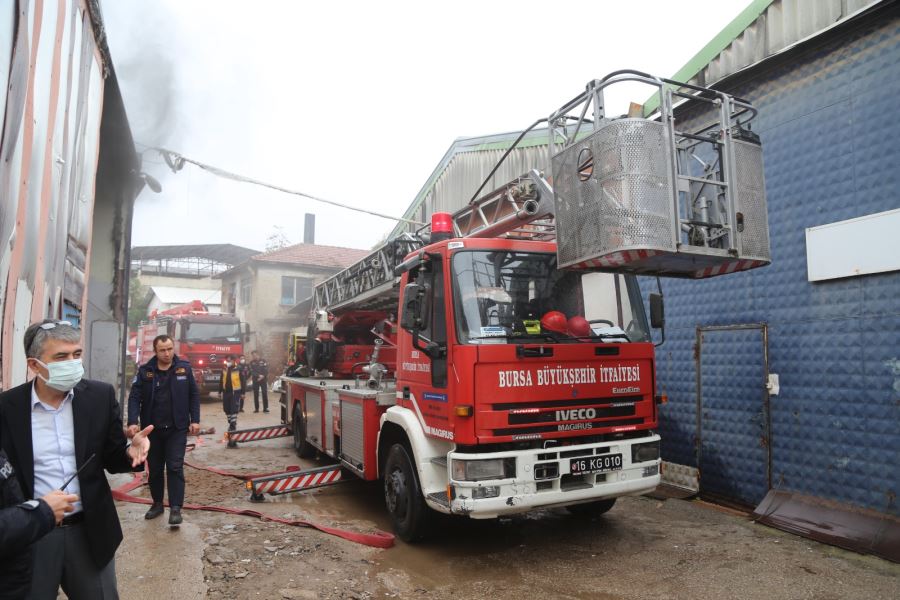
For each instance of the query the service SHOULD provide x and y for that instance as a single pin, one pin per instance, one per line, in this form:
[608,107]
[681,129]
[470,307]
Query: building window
[295,289]
[231,298]
[246,291]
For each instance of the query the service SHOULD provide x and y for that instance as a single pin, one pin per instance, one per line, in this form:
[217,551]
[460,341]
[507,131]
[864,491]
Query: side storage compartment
[360,416]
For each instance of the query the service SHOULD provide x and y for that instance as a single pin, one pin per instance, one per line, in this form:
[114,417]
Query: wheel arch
[400,425]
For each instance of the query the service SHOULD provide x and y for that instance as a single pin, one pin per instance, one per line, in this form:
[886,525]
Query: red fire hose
[378,539]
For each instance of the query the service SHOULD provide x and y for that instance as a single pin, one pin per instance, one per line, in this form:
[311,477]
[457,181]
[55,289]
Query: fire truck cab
[201,337]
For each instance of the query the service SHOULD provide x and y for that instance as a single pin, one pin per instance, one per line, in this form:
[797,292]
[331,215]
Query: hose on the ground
[378,539]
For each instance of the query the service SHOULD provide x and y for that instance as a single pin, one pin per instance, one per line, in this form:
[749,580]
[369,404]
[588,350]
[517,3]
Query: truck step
[440,498]
[440,461]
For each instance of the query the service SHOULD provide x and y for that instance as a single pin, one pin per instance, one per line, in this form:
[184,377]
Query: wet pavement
[642,548]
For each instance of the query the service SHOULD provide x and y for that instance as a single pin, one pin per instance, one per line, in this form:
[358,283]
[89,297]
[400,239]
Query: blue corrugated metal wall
[831,139]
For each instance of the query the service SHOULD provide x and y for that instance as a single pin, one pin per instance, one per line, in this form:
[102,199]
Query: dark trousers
[257,385]
[167,446]
[231,404]
[63,558]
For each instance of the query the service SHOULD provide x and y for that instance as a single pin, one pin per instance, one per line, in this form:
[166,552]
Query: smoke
[138,35]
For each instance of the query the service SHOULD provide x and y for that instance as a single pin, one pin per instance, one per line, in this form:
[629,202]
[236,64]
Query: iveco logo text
[576,414]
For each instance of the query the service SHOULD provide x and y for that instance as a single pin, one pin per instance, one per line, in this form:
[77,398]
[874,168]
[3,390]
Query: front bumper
[524,492]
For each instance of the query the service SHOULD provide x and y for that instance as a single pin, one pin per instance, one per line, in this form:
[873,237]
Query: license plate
[595,464]
[211,378]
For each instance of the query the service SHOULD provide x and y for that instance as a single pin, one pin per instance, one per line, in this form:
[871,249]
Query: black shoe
[175,516]
[257,410]
[232,444]
[242,410]
[265,410]
[155,510]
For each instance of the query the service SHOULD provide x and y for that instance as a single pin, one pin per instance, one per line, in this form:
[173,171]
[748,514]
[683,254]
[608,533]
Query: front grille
[572,402]
[553,416]
[584,452]
[555,428]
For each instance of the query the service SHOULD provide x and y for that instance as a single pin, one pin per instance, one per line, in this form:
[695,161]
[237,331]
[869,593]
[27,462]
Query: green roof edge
[714,47]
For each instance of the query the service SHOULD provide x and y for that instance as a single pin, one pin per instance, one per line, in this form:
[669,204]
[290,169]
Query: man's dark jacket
[20,526]
[183,394]
[98,430]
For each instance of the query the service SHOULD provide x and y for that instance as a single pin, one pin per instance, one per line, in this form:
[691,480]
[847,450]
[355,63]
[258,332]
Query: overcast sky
[357,102]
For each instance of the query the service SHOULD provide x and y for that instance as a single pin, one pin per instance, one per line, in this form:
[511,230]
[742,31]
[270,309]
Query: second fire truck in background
[201,337]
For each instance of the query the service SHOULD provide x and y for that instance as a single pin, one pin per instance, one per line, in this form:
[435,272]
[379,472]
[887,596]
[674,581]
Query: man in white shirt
[60,432]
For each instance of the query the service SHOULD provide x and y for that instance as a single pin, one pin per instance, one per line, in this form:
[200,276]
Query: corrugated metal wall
[782,24]
[467,171]
[49,153]
[831,153]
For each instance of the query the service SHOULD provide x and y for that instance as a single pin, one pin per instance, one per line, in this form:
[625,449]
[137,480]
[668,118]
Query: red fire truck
[500,360]
[201,337]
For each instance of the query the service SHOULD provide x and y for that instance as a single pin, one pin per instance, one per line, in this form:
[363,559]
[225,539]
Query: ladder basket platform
[638,195]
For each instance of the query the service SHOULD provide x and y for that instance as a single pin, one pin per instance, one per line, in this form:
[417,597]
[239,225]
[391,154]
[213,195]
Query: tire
[301,446]
[592,509]
[409,514]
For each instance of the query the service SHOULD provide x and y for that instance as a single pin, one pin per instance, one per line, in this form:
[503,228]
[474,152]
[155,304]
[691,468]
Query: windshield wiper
[612,336]
[520,336]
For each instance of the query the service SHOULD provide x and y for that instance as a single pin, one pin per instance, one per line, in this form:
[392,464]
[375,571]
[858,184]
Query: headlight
[644,452]
[487,491]
[477,470]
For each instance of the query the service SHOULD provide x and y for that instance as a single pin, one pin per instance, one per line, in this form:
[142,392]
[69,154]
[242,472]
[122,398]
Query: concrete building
[262,290]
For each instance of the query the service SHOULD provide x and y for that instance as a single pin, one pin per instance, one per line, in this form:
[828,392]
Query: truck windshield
[500,295]
[213,332]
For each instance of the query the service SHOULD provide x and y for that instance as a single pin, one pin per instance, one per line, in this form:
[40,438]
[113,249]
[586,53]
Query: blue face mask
[64,374]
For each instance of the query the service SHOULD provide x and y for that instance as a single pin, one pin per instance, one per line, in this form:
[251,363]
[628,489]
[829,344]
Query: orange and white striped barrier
[258,433]
[293,481]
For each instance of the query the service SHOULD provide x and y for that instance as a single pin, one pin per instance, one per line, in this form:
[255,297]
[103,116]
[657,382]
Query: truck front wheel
[403,496]
[301,446]
[592,509]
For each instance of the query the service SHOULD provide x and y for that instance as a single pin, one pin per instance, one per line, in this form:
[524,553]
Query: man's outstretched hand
[140,446]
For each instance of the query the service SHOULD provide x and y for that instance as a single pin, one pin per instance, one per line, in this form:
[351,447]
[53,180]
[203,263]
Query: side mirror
[657,312]
[416,307]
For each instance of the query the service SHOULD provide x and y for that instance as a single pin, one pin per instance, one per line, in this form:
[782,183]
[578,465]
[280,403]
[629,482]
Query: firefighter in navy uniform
[23,522]
[259,370]
[165,395]
[232,387]
[245,371]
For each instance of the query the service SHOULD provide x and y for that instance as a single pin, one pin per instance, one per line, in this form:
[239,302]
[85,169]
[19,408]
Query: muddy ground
[643,548]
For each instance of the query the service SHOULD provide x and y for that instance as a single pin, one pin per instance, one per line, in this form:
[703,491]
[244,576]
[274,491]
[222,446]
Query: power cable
[176,162]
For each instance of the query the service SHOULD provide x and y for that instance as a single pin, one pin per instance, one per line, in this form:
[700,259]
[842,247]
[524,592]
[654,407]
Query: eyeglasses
[52,324]
[30,334]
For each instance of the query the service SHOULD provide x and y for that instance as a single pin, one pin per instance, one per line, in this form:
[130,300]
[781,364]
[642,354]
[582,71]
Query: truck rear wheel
[301,446]
[592,509]
[403,496]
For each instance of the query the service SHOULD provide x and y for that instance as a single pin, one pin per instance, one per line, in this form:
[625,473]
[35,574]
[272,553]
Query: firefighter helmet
[579,327]
[554,321]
